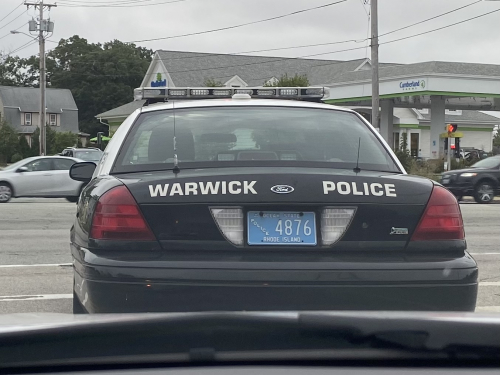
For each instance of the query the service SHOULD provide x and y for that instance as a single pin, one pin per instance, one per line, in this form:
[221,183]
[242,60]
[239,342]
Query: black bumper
[109,286]
[460,189]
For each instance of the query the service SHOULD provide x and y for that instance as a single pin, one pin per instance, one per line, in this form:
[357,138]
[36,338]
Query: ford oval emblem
[282,189]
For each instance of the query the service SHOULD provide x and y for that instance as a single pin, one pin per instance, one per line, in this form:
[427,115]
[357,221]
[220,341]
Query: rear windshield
[251,136]
[90,155]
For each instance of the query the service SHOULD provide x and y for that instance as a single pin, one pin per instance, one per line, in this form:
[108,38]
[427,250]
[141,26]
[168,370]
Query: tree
[63,140]
[15,71]
[8,141]
[403,154]
[35,143]
[100,76]
[23,147]
[210,82]
[285,81]
[50,141]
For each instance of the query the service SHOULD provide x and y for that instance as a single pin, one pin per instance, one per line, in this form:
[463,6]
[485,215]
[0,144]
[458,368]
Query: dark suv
[88,154]
[481,180]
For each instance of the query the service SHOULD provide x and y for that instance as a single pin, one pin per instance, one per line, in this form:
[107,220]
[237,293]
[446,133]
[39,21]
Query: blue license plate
[281,228]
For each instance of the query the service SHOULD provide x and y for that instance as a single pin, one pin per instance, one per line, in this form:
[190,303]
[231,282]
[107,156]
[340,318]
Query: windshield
[258,136]
[487,163]
[88,155]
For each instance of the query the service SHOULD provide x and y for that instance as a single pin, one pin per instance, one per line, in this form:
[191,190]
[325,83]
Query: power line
[105,2]
[123,5]
[241,25]
[6,35]
[26,45]
[442,27]
[12,11]
[299,57]
[431,18]
[322,44]
[22,14]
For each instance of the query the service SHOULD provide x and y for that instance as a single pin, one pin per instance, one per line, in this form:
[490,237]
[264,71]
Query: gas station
[433,88]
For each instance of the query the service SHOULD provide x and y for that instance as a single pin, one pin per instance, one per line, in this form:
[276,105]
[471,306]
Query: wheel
[484,192]
[5,192]
[77,306]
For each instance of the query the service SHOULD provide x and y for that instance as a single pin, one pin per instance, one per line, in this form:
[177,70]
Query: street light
[20,32]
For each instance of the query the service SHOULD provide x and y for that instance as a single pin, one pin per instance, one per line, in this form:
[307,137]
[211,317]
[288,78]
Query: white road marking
[489,283]
[35,265]
[476,254]
[487,308]
[36,297]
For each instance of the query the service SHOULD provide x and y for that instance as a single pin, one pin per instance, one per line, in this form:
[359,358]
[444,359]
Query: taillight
[117,217]
[230,222]
[442,219]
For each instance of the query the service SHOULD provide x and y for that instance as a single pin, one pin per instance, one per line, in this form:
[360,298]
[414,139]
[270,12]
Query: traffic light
[451,128]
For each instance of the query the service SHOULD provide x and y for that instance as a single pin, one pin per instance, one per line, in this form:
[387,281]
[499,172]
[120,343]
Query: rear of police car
[263,205]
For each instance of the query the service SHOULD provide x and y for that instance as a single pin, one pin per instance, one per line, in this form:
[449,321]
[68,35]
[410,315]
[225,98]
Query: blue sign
[412,85]
[159,82]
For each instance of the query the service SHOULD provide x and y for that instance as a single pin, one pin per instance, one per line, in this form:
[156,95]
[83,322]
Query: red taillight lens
[442,219]
[117,217]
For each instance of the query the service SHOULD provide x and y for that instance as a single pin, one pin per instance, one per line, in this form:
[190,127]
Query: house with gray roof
[20,107]
[193,69]
[350,85]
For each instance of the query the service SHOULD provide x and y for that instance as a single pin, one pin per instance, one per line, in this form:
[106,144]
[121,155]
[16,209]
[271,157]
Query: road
[35,263]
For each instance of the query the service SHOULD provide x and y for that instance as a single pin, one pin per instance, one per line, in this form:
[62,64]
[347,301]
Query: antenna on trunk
[356,169]
[176,160]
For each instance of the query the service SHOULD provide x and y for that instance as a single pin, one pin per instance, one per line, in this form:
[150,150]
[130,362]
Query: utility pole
[374,51]
[43,26]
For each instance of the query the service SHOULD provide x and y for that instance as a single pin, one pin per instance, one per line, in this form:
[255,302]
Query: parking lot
[35,262]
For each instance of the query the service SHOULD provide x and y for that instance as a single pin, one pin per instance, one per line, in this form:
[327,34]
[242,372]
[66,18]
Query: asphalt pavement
[36,271]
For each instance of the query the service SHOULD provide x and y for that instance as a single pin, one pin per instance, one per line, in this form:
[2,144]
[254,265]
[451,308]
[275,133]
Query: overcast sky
[474,41]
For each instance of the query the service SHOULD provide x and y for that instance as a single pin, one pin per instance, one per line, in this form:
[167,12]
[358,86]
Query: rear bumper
[449,286]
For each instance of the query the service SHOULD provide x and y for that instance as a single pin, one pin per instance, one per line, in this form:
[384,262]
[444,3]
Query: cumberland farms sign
[412,85]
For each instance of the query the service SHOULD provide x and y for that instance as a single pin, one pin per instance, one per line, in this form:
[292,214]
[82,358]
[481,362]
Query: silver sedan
[40,176]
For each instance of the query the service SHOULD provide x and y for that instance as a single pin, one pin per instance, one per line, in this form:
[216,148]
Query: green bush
[403,154]
[24,148]
[9,140]
[16,157]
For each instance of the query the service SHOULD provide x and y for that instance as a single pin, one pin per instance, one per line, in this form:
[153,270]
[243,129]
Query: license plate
[281,228]
[445,180]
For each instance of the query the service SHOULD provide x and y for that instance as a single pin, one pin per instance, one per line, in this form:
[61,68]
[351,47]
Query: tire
[5,192]
[459,197]
[484,192]
[77,306]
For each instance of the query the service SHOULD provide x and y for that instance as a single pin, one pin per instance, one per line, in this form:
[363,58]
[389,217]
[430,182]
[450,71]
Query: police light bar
[164,94]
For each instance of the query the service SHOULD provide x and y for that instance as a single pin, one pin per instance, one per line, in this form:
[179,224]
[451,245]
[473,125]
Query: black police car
[481,180]
[249,204]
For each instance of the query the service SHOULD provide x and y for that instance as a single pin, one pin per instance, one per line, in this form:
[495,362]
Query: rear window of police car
[247,136]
